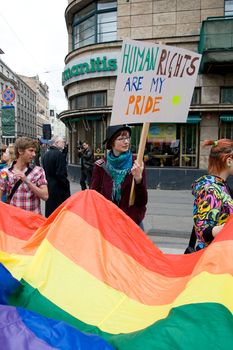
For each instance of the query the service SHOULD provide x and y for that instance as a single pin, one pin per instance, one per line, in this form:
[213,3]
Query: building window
[196,99]
[188,148]
[95,23]
[106,30]
[84,27]
[90,100]
[228,8]
[226,95]
[98,99]
[226,131]
[51,112]
[81,101]
[169,145]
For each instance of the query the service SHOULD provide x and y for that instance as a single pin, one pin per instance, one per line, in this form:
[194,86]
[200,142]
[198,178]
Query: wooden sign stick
[141,149]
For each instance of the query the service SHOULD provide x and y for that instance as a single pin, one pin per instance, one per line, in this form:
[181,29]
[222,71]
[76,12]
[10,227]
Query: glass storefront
[170,145]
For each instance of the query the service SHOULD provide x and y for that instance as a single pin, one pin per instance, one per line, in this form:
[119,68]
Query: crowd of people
[28,176]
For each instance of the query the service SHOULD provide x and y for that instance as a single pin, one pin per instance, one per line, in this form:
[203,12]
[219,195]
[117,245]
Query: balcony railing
[216,34]
[216,45]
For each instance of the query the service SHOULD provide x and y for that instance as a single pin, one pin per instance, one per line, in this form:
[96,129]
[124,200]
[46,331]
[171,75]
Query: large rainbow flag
[89,278]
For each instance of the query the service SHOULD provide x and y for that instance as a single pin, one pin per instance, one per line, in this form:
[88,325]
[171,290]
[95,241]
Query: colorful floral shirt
[212,205]
[23,197]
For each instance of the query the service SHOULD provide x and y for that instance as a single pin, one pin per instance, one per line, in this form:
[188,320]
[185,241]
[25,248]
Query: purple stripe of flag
[15,335]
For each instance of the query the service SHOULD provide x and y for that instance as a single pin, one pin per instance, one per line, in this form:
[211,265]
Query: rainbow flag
[91,267]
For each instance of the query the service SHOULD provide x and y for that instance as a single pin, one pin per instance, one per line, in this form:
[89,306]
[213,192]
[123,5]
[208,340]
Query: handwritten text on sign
[155,83]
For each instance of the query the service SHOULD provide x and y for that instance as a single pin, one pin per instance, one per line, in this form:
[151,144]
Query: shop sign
[90,67]
[155,83]
[8,121]
[162,133]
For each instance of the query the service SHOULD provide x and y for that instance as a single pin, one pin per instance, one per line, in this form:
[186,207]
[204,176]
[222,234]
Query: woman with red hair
[213,199]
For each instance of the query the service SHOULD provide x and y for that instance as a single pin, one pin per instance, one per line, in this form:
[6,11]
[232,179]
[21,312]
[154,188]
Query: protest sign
[155,83]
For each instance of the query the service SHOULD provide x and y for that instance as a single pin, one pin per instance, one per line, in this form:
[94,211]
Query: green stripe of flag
[195,326]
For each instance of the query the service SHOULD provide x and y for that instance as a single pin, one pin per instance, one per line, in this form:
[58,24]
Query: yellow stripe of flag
[92,301]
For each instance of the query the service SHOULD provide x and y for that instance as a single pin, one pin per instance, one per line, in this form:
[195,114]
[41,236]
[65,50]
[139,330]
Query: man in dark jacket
[87,162]
[54,164]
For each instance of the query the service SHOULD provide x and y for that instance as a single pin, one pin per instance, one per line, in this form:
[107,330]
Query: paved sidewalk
[168,221]
[168,212]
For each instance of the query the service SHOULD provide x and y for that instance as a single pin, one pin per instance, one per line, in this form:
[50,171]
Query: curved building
[95,33]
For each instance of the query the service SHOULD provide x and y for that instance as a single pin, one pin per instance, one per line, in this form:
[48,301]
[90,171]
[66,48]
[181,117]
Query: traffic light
[47,134]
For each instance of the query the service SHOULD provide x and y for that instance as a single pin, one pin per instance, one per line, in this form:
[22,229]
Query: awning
[194,119]
[226,118]
[93,117]
[82,117]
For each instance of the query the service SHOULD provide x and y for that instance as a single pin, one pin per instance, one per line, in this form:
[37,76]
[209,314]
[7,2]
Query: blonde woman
[9,155]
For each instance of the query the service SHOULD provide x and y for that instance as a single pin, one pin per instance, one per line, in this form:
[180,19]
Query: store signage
[89,67]
[162,133]
[155,83]
[8,121]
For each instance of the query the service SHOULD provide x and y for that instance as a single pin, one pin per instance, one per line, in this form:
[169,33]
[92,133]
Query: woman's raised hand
[136,171]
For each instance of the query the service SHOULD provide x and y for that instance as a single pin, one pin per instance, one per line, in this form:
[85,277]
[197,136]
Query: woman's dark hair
[120,133]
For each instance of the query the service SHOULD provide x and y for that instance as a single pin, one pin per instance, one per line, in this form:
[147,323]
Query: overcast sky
[33,37]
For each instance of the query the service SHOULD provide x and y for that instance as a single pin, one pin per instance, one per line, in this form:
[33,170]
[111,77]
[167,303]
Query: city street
[168,220]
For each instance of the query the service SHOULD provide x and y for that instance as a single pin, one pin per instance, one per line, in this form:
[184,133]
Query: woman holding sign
[113,176]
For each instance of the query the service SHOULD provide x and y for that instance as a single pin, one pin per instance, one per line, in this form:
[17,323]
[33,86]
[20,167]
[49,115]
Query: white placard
[155,83]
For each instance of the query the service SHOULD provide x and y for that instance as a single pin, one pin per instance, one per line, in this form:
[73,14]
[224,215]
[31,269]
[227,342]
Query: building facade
[95,33]
[42,101]
[8,80]
[18,117]
[26,110]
